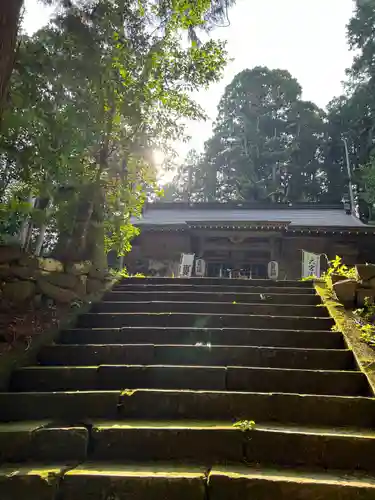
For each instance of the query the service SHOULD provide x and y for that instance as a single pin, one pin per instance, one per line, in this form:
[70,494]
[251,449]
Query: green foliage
[245,425]
[107,97]
[368,334]
[267,144]
[337,267]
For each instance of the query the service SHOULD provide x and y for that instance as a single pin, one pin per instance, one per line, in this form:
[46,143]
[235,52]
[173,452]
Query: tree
[267,142]
[188,15]
[9,21]
[113,84]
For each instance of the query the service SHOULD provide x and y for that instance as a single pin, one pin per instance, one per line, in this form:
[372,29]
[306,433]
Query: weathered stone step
[148,354]
[101,481]
[216,442]
[169,481]
[209,308]
[176,287]
[111,377]
[216,281]
[84,406]
[214,336]
[255,483]
[39,441]
[198,296]
[30,481]
[197,320]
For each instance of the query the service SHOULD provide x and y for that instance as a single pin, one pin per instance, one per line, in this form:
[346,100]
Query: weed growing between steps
[346,322]
[244,425]
[365,315]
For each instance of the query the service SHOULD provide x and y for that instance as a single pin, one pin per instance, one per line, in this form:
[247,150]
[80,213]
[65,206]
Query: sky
[305,37]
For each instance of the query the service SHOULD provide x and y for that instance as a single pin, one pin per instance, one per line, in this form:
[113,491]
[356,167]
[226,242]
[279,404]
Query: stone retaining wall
[25,277]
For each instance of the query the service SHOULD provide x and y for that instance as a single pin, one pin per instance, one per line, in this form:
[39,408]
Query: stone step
[30,481]
[170,481]
[196,320]
[198,296]
[176,287]
[112,377]
[148,354]
[209,308]
[214,336]
[43,442]
[216,281]
[255,483]
[216,442]
[84,406]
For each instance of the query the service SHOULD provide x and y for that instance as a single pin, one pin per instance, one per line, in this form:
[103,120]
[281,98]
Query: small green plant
[245,425]
[368,334]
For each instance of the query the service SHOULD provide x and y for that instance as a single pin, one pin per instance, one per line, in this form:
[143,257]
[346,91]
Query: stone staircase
[138,401]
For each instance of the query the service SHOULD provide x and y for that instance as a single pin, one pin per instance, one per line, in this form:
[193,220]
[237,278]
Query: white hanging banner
[310,264]
[200,267]
[186,265]
[273,270]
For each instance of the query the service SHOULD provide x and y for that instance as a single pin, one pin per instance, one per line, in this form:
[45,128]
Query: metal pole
[349,175]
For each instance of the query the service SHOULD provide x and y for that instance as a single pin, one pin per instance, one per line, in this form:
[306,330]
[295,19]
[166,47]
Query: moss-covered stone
[29,482]
[135,483]
[19,291]
[57,293]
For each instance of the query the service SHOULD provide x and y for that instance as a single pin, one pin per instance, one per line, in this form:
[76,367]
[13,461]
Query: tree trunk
[10,11]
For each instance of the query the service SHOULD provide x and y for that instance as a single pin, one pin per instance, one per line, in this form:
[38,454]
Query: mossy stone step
[196,320]
[209,308]
[249,483]
[214,442]
[335,411]
[199,355]
[215,336]
[30,481]
[176,286]
[169,482]
[112,377]
[198,296]
[216,281]
[340,383]
[22,442]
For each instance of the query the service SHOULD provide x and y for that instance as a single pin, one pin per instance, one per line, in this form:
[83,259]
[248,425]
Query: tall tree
[267,142]
[189,15]
[112,82]
[10,12]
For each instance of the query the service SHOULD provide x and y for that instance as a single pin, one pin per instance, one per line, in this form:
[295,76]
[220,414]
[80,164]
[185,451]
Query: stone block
[62,280]
[96,273]
[364,293]
[138,482]
[4,271]
[365,271]
[22,272]
[51,265]
[345,291]
[78,268]
[9,253]
[94,285]
[27,260]
[19,291]
[56,293]
[81,285]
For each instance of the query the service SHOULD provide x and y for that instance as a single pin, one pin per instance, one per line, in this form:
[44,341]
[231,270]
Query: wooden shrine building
[245,237]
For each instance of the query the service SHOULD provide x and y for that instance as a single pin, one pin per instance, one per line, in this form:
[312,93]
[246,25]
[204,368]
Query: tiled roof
[297,217]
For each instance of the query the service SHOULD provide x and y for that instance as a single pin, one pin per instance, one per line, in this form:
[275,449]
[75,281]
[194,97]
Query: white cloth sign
[186,265]
[200,267]
[273,270]
[310,264]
